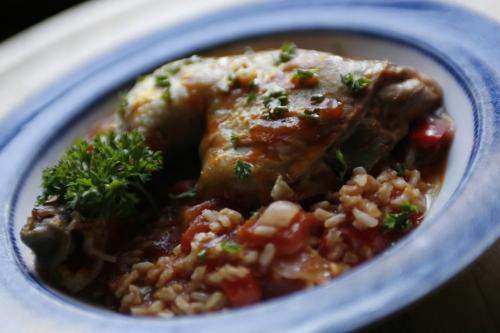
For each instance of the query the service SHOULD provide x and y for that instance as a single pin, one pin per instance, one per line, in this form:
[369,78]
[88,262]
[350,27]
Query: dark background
[17,15]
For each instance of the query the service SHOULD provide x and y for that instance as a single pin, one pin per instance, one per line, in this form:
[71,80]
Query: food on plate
[225,181]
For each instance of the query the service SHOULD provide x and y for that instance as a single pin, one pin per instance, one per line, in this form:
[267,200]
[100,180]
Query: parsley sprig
[103,178]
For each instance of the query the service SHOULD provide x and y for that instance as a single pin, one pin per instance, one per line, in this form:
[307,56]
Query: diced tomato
[192,212]
[432,135]
[331,114]
[287,240]
[242,292]
[195,222]
[374,238]
[198,225]
[307,82]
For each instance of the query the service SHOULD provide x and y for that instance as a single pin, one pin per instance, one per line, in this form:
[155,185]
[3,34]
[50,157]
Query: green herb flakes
[230,247]
[202,255]
[189,194]
[339,165]
[275,100]
[242,169]
[400,221]
[163,81]
[287,52]
[312,114]
[400,169]
[301,74]
[317,98]
[355,85]
[235,138]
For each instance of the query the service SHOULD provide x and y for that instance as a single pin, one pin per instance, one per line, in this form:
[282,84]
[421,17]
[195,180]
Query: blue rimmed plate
[459,49]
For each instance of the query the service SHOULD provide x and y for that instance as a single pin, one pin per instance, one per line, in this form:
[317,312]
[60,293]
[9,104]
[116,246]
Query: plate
[439,40]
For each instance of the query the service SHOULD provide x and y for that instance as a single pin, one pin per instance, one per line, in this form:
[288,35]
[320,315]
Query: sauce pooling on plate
[225,181]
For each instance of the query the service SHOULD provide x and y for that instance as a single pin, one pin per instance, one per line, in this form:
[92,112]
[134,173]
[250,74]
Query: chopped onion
[279,214]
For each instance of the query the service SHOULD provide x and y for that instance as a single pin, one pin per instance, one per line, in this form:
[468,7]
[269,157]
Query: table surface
[468,303]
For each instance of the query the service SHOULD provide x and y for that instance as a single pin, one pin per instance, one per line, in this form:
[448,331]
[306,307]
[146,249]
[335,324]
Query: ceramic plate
[457,48]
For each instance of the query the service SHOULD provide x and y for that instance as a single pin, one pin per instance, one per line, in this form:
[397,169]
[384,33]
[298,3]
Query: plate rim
[300,2]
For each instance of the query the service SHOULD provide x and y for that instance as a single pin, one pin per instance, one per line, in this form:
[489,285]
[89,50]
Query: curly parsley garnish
[355,85]
[242,169]
[287,52]
[103,178]
[275,101]
[400,221]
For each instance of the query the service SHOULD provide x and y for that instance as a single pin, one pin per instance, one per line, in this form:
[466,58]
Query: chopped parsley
[339,165]
[312,114]
[230,247]
[252,94]
[301,74]
[355,85]
[287,52]
[275,101]
[235,137]
[189,194]
[202,255]
[163,81]
[103,178]
[276,112]
[317,98]
[400,169]
[242,169]
[400,221]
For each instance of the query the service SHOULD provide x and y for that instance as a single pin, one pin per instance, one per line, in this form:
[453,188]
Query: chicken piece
[259,118]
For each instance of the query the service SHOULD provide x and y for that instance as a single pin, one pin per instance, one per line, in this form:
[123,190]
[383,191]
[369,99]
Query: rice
[182,283]
[267,255]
